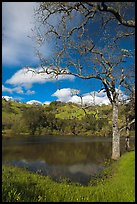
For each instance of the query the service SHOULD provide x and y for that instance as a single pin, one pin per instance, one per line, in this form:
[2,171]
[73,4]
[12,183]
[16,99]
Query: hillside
[59,118]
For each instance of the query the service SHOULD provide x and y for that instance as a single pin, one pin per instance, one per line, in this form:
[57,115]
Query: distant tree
[19,125]
[129,109]
[7,121]
[34,118]
[53,105]
[50,121]
[75,126]
[87,48]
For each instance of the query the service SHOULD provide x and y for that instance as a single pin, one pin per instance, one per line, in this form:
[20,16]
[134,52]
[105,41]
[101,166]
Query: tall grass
[19,185]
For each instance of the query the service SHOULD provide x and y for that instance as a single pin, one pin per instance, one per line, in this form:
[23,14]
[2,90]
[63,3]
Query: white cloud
[47,102]
[5,89]
[65,94]
[29,92]
[11,90]
[94,97]
[122,96]
[100,93]
[17,89]
[70,95]
[19,42]
[8,98]
[91,98]
[26,78]
[34,102]
[17,21]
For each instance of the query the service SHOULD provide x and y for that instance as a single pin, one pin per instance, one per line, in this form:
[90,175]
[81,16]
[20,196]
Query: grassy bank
[21,186]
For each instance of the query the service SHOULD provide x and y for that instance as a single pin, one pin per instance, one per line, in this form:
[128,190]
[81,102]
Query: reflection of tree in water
[60,153]
[66,153]
[75,161]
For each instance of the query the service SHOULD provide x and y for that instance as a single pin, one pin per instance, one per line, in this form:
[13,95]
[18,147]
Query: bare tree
[87,37]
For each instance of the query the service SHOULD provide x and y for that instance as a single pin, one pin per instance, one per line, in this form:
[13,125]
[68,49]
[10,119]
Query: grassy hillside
[60,118]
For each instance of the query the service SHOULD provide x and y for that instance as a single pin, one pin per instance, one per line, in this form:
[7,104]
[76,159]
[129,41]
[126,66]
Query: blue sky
[18,51]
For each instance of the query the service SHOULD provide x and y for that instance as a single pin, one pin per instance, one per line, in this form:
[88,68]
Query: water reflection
[77,158]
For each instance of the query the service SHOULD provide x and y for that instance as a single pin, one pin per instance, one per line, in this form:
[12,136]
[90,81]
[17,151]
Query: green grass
[22,186]
[67,112]
[73,111]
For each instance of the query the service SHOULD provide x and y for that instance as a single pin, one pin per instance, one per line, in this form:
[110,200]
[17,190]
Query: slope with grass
[60,119]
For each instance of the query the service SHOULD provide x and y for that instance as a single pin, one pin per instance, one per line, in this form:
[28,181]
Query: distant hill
[60,118]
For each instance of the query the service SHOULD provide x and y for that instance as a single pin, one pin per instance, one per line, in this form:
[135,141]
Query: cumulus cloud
[18,90]
[11,90]
[26,78]
[8,98]
[92,98]
[29,92]
[34,102]
[71,95]
[47,102]
[75,99]
[65,94]
[122,96]
[5,89]
[17,21]
[19,28]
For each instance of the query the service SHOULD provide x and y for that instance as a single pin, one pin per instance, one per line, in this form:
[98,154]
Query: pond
[77,158]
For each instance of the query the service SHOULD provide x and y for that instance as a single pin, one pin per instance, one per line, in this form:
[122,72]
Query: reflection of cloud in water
[88,169]
[75,158]
[78,173]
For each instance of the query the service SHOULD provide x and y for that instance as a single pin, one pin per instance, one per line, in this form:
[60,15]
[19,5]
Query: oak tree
[89,40]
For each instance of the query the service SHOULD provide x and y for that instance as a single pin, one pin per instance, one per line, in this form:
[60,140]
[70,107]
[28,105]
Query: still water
[77,158]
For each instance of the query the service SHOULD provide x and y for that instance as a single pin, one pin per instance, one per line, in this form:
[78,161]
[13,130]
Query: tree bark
[127,126]
[116,134]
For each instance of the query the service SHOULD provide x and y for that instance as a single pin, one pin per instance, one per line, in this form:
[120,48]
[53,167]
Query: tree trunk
[116,134]
[127,126]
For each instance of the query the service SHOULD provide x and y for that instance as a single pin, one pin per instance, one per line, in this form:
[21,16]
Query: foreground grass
[21,186]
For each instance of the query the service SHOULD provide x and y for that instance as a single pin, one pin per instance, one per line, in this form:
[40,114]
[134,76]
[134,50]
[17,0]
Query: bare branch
[122,35]
[104,7]
[133,121]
